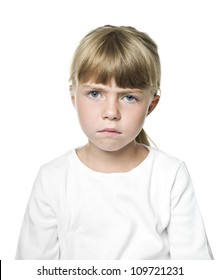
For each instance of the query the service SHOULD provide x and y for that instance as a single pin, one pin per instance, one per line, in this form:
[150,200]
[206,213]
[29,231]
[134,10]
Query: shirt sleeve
[38,237]
[186,232]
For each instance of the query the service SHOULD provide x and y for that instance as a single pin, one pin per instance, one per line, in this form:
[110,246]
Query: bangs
[126,72]
[114,55]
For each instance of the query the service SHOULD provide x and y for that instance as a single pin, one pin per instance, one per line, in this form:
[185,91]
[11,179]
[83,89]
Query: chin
[110,147]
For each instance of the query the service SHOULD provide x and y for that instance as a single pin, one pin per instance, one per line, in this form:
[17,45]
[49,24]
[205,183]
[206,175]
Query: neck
[122,160]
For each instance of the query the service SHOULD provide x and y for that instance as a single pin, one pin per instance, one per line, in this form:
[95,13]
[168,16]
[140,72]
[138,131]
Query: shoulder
[169,169]
[58,166]
[59,161]
[51,177]
[164,160]
[166,167]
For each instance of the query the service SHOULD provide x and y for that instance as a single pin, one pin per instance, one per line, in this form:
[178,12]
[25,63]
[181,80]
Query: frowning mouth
[110,131]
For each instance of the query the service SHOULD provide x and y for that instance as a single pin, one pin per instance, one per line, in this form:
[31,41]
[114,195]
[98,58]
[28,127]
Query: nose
[111,110]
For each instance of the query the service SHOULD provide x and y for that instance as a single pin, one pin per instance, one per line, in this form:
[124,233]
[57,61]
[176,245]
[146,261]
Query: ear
[72,95]
[153,104]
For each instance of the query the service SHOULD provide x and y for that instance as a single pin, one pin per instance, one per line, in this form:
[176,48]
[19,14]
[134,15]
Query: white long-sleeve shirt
[148,213]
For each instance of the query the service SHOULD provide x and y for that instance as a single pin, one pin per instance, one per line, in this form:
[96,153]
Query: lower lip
[112,133]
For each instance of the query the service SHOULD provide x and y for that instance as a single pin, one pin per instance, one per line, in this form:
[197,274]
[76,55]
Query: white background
[38,122]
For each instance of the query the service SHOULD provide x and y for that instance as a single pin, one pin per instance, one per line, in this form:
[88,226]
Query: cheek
[137,114]
[134,122]
[86,114]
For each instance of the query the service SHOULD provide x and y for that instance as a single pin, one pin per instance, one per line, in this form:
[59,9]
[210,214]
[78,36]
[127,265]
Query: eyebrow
[104,89]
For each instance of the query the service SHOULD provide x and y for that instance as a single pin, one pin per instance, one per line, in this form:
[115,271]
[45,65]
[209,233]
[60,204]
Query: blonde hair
[120,52]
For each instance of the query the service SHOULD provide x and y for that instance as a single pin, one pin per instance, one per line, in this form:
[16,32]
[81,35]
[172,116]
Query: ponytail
[142,138]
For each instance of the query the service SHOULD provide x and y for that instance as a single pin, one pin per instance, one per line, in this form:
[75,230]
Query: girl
[115,197]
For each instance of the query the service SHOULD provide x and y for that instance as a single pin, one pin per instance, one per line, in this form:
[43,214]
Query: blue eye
[93,94]
[130,98]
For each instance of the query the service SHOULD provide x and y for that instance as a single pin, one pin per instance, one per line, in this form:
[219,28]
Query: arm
[186,230]
[38,237]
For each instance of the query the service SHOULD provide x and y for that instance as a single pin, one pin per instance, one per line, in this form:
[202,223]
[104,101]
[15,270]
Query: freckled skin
[121,111]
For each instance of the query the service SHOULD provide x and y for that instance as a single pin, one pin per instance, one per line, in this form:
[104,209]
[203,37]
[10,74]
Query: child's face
[112,117]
